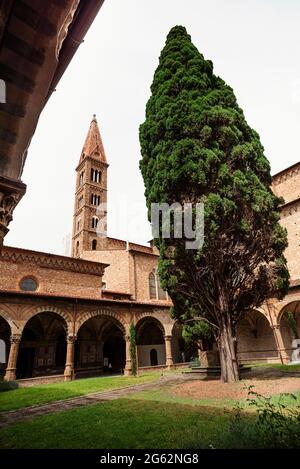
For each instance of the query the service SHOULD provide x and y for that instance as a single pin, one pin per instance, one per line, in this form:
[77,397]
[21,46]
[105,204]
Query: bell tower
[91,191]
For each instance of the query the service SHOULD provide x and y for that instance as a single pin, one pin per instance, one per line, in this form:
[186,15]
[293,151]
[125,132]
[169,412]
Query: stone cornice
[290,208]
[52,261]
[286,173]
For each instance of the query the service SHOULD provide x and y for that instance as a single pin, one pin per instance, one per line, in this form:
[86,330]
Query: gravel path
[13,416]
[266,382]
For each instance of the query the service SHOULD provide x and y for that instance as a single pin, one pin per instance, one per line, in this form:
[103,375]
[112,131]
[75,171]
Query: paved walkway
[13,416]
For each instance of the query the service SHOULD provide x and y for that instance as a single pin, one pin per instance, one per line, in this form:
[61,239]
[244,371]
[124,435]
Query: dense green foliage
[133,349]
[197,147]
[197,333]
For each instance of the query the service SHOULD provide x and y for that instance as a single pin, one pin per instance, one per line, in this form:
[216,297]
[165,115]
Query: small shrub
[274,425]
[8,385]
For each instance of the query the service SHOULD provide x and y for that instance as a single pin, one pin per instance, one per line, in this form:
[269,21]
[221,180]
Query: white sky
[254,45]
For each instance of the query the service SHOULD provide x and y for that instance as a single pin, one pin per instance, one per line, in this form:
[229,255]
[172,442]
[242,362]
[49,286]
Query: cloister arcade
[51,343]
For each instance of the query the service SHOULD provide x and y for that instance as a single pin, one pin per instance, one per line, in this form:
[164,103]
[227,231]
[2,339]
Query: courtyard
[157,410]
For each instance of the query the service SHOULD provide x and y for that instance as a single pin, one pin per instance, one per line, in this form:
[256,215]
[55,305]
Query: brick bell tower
[91,191]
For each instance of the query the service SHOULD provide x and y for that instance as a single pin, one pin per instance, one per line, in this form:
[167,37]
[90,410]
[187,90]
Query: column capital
[11,192]
[167,337]
[15,338]
[71,339]
[275,326]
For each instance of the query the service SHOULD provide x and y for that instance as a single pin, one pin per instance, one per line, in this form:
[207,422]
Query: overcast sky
[254,45]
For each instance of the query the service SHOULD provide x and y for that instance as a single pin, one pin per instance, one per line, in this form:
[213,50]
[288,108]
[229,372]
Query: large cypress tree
[197,147]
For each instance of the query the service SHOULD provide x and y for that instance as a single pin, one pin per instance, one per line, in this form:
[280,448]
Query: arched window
[155,290]
[78,224]
[28,284]
[81,178]
[95,175]
[152,286]
[94,222]
[94,245]
[77,249]
[153,357]
[80,201]
[95,199]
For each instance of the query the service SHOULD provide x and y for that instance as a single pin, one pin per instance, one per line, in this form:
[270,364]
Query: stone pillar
[128,365]
[10,374]
[69,368]
[169,357]
[284,356]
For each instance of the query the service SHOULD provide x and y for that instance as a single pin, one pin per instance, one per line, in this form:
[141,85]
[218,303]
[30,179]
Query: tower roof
[93,145]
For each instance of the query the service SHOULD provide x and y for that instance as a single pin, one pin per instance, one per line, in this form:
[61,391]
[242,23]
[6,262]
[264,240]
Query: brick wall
[58,280]
[116,275]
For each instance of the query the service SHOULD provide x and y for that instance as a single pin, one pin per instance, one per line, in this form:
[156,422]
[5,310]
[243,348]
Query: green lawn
[165,395]
[121,424]
[277,366]
[153,418]
[25,397]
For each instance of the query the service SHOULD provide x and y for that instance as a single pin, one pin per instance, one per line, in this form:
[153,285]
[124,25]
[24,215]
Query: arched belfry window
[95,199]
[95,222]
[96,175]
[81,178]
[155,290]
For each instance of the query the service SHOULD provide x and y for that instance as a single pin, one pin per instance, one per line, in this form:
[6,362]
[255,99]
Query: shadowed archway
[100,347]
[255,338]
[43,346]
[150,342]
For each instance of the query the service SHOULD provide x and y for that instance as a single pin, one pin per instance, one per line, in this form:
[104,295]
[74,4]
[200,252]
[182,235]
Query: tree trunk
[227,350]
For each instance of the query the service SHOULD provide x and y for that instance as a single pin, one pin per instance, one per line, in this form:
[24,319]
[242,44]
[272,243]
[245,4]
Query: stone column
[283,354]
[128,364]
[169,357]
[69,368]
[10,374]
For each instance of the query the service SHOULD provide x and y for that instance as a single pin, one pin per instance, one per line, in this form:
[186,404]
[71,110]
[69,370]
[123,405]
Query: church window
[81,178]
[94,222]
[95,199]
[152,286]
[77,249]
[80,201]
[94,245]
[95,175]
[155,290]
[28,284]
